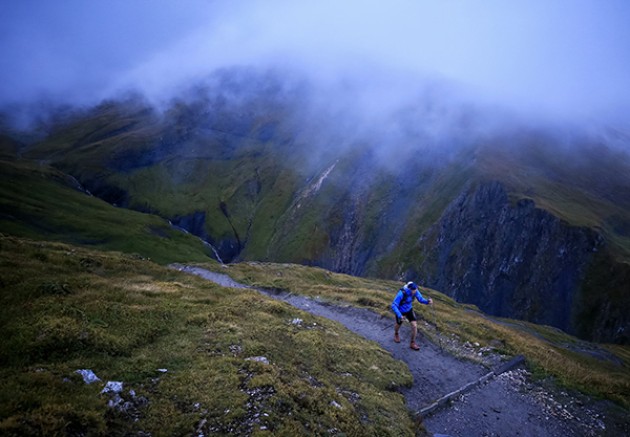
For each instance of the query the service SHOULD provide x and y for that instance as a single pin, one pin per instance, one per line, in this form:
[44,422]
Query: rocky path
[509,404]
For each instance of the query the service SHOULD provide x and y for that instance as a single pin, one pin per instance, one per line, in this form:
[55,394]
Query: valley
[498,221]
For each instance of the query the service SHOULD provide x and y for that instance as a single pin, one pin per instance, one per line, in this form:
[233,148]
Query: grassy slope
[37,201]
[65,308]
[257,186]
[95,137]
[202,171]
[124,318]
[546,349]
[589,188]
[48,315]
[199,173]
[432,202]
[253,192]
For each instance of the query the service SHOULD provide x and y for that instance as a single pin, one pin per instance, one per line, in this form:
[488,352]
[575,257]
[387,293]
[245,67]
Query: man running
[403,306]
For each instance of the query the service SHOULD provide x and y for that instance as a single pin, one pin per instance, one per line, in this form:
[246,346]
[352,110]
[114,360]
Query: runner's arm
[422,299]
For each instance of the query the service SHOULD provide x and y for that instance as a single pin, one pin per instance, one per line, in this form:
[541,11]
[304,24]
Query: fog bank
[566,59]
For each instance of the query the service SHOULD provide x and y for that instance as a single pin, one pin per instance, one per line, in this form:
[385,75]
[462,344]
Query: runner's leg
[414,331]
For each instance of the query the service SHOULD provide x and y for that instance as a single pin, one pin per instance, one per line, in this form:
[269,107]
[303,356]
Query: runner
[403,306]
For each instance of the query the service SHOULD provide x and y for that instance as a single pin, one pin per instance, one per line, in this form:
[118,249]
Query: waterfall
[214,250]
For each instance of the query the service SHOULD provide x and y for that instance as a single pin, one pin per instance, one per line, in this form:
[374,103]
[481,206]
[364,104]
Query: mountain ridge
[232,165]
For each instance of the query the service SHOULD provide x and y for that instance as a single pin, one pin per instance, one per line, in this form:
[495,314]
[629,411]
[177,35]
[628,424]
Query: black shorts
[410,315]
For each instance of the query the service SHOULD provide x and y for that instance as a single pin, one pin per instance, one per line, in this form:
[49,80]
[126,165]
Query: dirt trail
[507,405]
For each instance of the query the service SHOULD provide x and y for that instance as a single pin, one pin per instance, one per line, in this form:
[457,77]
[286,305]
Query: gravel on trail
[509,404]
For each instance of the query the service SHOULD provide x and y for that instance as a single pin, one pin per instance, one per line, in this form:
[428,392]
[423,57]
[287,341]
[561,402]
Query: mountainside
[184,358]
[107,343]
[37,201]
[518,261]
[520,224]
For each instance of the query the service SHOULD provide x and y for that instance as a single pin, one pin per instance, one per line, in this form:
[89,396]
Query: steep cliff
[515,260]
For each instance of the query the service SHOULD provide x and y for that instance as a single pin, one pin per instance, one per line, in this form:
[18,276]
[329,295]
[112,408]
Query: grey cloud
[567,58]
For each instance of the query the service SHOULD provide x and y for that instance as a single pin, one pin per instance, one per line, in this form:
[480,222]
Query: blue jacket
[404,300]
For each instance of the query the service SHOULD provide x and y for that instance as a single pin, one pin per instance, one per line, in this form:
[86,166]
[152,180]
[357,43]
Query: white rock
[113,387]
[88,376]
[263,360]
[336,404]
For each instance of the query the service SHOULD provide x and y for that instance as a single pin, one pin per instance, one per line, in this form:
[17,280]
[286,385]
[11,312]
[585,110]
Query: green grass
[256,179]
[37,201]
[278,191]
[546,349]
[65,308]
[98,134]
[587,185]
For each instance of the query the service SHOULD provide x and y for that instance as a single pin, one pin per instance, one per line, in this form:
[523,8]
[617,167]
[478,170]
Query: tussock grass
[64,308]
[549,351]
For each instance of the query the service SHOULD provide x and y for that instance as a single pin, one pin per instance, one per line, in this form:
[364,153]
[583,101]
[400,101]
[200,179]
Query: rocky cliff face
[511,260]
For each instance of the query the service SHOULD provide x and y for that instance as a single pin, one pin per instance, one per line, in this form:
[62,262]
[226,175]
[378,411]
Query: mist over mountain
[483,151]
[307,155]
[520,219]
[538,58]
[362,72]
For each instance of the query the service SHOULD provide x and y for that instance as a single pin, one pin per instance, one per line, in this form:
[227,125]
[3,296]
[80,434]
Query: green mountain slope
[586,184]
[260,174]
[183,351]
[123,316]
[185,354]
[37,201]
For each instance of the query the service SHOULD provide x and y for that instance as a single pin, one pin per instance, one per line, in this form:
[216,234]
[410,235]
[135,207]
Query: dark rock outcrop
[227,248]
[194,223]
[511,260]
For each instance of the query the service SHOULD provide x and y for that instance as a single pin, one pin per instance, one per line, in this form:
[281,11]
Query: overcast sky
[561,56]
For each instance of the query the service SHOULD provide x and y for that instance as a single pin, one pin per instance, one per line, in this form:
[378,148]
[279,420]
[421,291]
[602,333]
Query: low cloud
[560,59]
